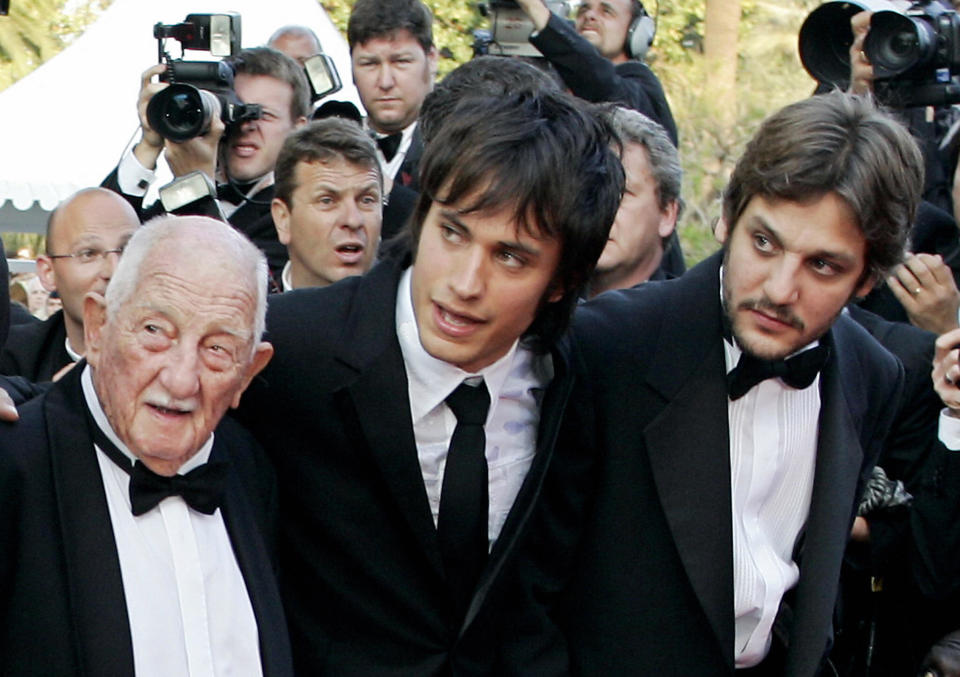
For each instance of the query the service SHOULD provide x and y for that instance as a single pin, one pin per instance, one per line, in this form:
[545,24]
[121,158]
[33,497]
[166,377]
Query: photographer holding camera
[239,156]
[600,59]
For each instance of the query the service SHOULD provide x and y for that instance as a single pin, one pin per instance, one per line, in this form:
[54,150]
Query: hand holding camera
[151,143]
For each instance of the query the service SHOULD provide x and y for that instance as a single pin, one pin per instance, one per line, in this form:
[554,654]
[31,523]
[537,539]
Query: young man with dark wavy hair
[734,413]
[405,510]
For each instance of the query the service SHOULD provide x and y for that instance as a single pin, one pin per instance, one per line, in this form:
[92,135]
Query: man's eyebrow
[840,257]
[758,221]
[454,216]
[516,245]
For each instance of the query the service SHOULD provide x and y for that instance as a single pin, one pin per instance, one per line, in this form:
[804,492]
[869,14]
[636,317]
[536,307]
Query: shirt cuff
[949,431]
[134,179]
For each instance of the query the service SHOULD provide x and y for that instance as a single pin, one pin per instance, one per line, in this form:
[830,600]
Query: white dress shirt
[516,383]
[773,448]
[186,599]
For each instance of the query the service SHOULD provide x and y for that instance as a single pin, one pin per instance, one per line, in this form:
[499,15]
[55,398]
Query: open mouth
[350,253]
[244,150]
[455,324]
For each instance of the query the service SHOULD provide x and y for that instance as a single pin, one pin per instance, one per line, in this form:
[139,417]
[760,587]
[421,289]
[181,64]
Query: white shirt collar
[71,353]
[100,418]
[286,281]
[432,380]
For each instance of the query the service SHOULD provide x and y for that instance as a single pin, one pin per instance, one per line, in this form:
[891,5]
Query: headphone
[640,34]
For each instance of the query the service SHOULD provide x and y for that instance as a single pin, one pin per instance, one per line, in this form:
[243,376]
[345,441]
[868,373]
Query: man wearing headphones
[601,58]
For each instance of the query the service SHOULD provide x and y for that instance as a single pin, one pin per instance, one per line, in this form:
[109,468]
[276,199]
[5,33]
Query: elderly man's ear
[261,357]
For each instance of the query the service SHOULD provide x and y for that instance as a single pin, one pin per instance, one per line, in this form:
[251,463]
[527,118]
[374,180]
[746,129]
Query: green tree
[36,30]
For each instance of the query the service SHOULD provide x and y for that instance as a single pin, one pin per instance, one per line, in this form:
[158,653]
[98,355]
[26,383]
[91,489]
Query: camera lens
[181,112]
[897,43]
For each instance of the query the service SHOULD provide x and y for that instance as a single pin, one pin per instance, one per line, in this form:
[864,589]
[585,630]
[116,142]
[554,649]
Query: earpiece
[640,35]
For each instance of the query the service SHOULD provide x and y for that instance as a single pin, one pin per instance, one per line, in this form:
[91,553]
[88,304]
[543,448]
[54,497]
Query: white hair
[220,239]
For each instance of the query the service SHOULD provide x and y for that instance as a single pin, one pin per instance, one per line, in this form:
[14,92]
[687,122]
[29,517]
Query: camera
[510,27]
[322,76]
[915,52]
[198,89]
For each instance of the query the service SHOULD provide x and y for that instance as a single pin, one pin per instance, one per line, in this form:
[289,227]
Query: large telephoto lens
[181,112]
[898,43]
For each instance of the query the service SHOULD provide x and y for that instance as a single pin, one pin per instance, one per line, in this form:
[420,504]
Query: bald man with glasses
[86,234]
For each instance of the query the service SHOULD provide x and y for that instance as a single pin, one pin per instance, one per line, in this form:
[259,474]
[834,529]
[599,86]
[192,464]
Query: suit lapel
[551,412]
[390,439]
[381,402]
[258,575]
[97,601]
[839,457]
[690,455]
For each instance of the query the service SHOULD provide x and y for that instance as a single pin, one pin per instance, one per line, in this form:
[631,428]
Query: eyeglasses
[88,255]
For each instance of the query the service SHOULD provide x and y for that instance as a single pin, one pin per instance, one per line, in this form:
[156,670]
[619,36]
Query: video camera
[198,89]
[510,27]
[915,52]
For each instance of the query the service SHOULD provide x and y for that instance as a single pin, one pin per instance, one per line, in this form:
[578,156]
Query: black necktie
[202,488]
[797,372]
[390,144]
[462,524]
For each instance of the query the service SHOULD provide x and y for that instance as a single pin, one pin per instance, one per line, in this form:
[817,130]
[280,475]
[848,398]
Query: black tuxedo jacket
[652,592]
[595,78]
[912,550]
[361,571]
[62,606]
[36,350]
[252,218]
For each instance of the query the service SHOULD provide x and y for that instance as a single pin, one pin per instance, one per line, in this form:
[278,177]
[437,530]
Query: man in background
[329,203]
[649,209]
[394,66]
[86,235]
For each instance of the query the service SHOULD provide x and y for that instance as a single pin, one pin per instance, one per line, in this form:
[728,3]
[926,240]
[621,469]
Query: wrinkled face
[604,24]
[252,150]
[789,268]
[88,226]
[393,75]
[478,282]
[635,244]
[175,357]
[297,47]
[332,226]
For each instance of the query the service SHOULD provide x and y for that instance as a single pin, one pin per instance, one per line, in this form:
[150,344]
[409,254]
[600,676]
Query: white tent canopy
[64,126]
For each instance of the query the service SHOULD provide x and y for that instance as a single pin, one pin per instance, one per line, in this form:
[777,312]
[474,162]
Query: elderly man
[328,206]
[86,234]
[133,534]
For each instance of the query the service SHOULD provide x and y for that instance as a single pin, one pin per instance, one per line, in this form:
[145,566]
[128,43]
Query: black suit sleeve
[595,78]
[112,182]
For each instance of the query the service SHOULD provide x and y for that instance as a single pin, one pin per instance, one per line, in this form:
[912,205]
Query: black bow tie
[390,144]
[202,488]
[797,372]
